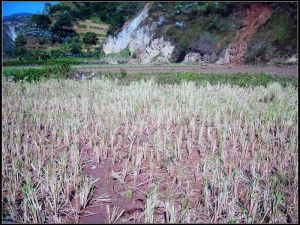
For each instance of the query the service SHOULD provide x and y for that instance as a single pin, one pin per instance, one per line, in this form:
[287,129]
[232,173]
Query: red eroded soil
[132,205]
[257,15]
[130,197]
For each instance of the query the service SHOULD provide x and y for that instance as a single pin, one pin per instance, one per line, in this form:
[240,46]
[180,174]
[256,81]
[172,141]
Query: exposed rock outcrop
[122,40]
[156,47]
[139,39]
[192,57]
[195,57]
[161,61]
[224,58]
[293,59]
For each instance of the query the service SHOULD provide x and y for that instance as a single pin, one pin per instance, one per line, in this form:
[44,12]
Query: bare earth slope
[257,15]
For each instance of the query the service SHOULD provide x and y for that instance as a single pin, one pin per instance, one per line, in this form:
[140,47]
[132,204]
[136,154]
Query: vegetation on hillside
[56,25]
[208,27]
[202,27]
[277,38]
[113,13]
[197,26]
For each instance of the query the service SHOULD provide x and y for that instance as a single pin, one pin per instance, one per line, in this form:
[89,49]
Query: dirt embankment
[256,16]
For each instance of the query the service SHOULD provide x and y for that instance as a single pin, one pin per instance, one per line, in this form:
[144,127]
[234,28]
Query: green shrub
[37,55]
[56,53]
[240,79]
[96,19]
[51,70]
[27,62]
[123,73]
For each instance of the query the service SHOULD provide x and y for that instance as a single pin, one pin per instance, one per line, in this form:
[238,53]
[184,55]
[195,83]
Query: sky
[9,8]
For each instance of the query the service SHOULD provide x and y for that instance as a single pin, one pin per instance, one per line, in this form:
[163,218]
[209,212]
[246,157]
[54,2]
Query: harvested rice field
[97,151]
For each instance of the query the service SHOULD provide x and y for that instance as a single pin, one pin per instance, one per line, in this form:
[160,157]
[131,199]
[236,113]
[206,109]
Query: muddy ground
[291,70]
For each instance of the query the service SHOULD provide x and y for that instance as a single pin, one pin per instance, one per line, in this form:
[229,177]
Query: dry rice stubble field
[97,151]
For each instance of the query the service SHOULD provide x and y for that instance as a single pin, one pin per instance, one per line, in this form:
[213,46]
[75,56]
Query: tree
[63,20]
[42,21]
[62,27]
[20,46]
[75,46]
[90,39]
[72,46]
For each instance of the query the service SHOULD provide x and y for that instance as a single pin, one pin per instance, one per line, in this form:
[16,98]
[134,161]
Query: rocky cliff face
[139,40]
[12,26]
[155,48]
[9,35]
[129,30]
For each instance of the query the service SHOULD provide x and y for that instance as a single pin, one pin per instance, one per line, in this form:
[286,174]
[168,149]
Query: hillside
[209,32]
[85,26]
[12,25]
[182,32]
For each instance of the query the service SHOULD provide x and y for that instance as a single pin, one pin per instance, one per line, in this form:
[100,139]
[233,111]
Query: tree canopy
[42,21]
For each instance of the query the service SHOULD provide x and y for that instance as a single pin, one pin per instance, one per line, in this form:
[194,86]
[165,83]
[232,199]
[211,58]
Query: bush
[75,46]
[89,39]
[19,46]
[28,62]
[52,70]
[240,79]
[97,53]
[38,55]
[123,73]
[96,19]
[42,21]
[56,53]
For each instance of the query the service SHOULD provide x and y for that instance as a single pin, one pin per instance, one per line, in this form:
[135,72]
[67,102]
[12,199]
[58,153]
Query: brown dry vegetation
[97,151]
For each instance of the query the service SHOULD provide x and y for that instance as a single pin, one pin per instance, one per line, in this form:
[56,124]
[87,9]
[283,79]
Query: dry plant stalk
[219,142]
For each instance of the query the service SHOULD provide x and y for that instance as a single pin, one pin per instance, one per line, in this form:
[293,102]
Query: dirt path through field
[211,68]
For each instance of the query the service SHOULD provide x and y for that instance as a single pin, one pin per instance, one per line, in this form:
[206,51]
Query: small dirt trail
[257,15]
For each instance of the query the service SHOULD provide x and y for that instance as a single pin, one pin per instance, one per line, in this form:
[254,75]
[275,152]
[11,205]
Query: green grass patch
[57,70]
[125,53]
[240,79]
[62,70]
[69,60]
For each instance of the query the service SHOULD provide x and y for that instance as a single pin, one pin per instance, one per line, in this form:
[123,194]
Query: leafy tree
[20,46]
[58,8]
[90,39]
[113,13]
[72,46]
[42,21]
[76,46]
[56,53]
[98,52]
[62,27]
[60,34]
[64,20]
[38,55]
